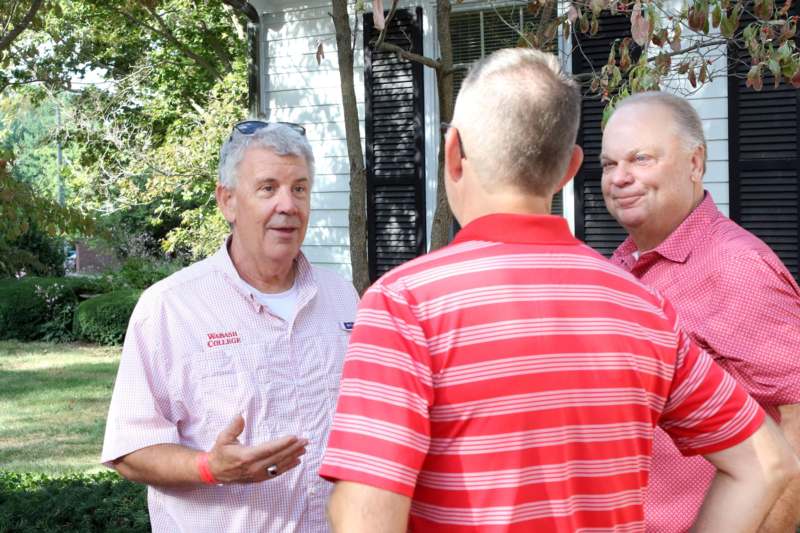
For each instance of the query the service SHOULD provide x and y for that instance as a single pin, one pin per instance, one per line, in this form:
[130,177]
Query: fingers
[285,459]
[230,433]
[233,463]
[282,468]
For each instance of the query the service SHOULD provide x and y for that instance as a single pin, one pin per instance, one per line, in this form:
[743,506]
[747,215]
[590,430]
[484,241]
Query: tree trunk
[358,181]
[443,217]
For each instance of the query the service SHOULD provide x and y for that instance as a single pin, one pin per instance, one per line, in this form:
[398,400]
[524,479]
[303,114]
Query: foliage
[668,44]
[41,308]
[143,146]
[29,226]
[140,272]
[77,502]
[104,319]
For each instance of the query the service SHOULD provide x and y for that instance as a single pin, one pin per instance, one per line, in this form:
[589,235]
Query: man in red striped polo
[512,380]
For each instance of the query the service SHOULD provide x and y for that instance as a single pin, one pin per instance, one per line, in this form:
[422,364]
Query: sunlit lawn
[53,404]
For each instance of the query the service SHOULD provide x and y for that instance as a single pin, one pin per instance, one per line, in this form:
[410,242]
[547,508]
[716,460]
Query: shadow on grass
[16,384]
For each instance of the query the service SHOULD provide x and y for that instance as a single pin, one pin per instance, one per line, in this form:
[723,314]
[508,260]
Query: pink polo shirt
[200,350]
[738,302]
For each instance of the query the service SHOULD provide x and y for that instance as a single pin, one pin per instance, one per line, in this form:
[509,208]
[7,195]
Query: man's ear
[698,163]
[453,166]
[226,202]
[575,162]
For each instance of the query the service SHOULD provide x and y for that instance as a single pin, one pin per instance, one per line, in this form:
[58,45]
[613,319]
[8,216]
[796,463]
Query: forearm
[162,464]
[750,478]
[356,508]
[785,514]
[733,505]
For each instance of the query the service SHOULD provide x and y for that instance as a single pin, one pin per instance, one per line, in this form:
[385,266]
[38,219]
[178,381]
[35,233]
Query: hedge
[104,319]
[33,308]
[78,502]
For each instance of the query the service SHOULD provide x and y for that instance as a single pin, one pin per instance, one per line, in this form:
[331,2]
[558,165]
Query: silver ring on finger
[272,470]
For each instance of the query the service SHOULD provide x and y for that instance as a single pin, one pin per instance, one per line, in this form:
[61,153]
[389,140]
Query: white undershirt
[283,304]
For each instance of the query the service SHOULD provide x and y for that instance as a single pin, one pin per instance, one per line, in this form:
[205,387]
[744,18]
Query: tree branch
[427,61]
[11,12]
[23,24]
[382,35]
[512,27]
[218,46]
[167,34]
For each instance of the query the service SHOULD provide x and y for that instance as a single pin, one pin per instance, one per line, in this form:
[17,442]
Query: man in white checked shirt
[230,368]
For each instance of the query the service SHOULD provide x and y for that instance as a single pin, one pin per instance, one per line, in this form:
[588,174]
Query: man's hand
[230,462]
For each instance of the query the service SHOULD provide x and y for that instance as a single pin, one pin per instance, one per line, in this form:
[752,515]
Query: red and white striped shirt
[512,381]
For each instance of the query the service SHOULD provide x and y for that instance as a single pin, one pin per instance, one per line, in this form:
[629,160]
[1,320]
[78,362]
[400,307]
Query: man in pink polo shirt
[511,381]
[732,293]
[230,368]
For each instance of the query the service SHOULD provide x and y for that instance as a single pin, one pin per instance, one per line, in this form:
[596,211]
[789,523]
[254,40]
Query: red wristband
[203,469]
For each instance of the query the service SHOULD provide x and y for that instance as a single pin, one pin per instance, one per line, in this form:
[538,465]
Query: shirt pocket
[217,386]
[334,346]
[253,380]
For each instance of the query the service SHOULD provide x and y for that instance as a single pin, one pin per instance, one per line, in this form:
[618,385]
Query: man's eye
[641,158]
[607,165]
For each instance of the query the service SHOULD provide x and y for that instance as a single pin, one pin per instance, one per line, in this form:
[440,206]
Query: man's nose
[286,201]
[620,175]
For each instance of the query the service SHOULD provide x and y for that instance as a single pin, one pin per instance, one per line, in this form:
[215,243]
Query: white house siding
[711,102]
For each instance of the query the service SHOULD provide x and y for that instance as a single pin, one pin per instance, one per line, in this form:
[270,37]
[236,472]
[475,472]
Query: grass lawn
[53,405]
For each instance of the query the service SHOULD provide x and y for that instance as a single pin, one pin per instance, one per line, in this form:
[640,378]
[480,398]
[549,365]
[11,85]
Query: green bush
[79,502]
[104,319]
[33,308]
[34,252]
[141,272]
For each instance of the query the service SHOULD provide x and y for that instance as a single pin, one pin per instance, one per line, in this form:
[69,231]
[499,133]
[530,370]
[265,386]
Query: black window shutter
[763,161]
[395,145]
[593,224]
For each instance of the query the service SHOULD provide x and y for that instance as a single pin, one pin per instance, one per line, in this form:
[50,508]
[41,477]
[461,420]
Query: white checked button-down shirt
[200,350]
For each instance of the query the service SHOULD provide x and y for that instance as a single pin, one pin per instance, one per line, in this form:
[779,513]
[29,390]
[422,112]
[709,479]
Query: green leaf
[716,16]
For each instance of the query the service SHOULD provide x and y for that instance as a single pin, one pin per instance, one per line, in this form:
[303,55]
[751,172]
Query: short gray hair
[684,116]
[520,114]
[277,137]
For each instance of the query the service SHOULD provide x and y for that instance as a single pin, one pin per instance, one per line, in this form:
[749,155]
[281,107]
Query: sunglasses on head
[248,127]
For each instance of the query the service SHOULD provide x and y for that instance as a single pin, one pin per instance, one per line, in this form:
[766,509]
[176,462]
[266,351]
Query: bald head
[518,115]
[685,121]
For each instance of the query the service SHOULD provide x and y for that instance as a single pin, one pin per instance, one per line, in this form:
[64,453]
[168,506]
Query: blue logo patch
[347,326]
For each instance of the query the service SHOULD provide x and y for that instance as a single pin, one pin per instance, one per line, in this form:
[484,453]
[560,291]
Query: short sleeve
[706,410]
[137,416]
[754,325]
[381,430]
